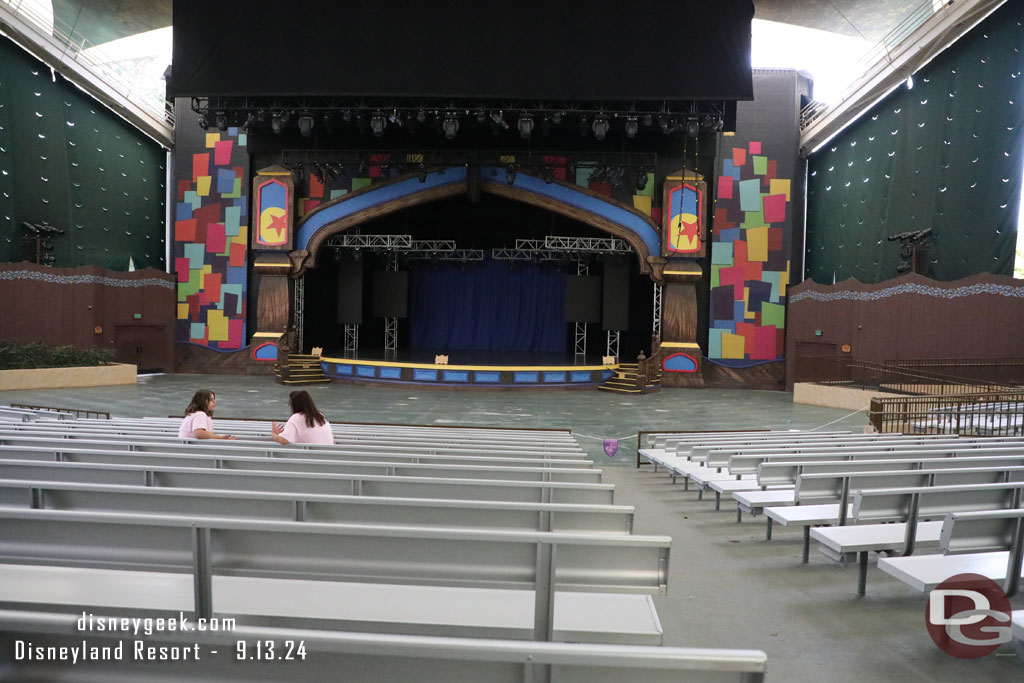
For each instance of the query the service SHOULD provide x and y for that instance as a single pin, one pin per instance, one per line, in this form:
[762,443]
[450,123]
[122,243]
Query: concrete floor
[728,587]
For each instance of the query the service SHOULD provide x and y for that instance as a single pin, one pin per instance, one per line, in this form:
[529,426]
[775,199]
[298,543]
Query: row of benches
[422,553]
[858,494]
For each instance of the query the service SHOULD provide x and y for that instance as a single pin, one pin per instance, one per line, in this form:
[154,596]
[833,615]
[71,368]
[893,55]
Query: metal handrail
[78,48]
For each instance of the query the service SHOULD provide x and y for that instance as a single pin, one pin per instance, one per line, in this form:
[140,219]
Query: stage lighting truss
[628,117]
[457,255]
[587,245]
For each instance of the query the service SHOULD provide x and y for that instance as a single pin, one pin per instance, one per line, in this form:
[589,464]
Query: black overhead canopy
[554,49]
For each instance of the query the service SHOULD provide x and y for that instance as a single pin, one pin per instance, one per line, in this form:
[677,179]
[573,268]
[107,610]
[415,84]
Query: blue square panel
[606,375]
[455,375]
[366,371]
[343,369]
[487,377]
[526,377]
[424,375]
[391,373]
[554,377]
[579,376]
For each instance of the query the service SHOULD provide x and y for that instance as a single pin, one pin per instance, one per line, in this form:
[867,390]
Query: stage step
[302,368]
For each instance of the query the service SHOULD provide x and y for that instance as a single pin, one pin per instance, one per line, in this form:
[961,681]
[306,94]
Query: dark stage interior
[490,310]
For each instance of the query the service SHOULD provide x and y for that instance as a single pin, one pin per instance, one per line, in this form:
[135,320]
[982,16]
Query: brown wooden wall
[66,306]
[909,317]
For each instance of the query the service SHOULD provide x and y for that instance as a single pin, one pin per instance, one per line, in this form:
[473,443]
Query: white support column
[580,337]
[390,336]
[612,349]
[656,322]
[351,339]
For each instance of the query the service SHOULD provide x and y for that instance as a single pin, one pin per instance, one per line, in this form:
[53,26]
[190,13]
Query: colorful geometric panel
[684,208]
[750,258]
[272,208]
[209,258]
[265,352]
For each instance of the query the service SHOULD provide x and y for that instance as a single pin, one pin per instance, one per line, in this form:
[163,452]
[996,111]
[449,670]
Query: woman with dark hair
[306,425]
[198,422]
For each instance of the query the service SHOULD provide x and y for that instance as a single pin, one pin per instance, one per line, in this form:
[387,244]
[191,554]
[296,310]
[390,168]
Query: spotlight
[306,125]
[250,121]
[203,123]
[631,127]
[450,126]
[421,172]
[556,118]
[222,121]
[346,116]
[641,179]
[421,116]
[499,120]
[318,170]
[663,124]
[548,174]
[648,119]
[525,126]
[362,168]
[329,124]
[481,116]
[332,171]
[277,122]
[378,122]
[261,115]
[601,126]
[692,128]
[510,174]
[584,125]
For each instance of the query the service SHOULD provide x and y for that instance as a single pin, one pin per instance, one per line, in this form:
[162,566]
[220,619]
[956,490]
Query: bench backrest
[931,502]
[183,458]
[482,514]
[830,486]
[299,482]
[775,473]
[978,532]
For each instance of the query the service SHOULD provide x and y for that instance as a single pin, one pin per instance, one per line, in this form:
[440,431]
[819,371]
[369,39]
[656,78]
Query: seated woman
[198,422]
[306,425]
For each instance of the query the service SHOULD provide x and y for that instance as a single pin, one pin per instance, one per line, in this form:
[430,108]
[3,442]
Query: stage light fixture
[421,172]
[584,125]
[421,116]
[222,121]
[378,122]
[318,170]
[261,115]
[692,128]
[556,118]
[362,168]
[601,126]
[250,121]
[631,127]
[641,179]
[548,174]
[332,171]
[525,126]
[306,125]
[499,120]
[203,123]
[663,124]
[481,116]
[450,126]
[346,116]
[510,174]
[648,119]
[277,123]
[329,123]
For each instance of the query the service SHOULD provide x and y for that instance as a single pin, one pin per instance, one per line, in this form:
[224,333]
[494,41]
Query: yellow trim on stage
[268,173]
[679,345]
[485,368]
[267,334]
[683,272]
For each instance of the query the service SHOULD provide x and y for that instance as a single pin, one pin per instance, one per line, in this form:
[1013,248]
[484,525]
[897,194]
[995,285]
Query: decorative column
[683,241]
[273,200]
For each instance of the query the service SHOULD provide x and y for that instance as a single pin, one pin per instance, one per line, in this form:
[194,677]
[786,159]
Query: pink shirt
[192,422]
[296,431]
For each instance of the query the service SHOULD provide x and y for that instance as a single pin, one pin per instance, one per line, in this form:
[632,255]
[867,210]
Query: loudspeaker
[615,302]
[390,294]
[582,299]
[350,292]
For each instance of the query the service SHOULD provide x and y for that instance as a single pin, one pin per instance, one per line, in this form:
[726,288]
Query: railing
[846,371]
[648,370]
[879,53]
[77,412]
[998,413]
[1004,371]
[123,76]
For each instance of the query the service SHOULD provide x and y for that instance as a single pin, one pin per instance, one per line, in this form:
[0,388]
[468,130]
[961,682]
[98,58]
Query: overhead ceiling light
[499,120]
[306,125]
[556,118]
[378,122]
[692,128]
[648,119]
[222,121]
[641,179]
[525,125]
[203,122]
[481,116]
[277,123]
[250,121]
[663,124]
[601,126]
[450,126]
[318,170]
[631,127]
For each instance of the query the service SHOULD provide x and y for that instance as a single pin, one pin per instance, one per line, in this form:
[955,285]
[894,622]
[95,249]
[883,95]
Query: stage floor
[468,368]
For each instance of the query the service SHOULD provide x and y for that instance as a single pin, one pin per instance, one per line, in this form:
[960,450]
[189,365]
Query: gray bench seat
[925,572]
[378,608]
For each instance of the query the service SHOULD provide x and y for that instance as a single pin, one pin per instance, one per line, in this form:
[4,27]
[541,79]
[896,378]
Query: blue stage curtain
[490,307]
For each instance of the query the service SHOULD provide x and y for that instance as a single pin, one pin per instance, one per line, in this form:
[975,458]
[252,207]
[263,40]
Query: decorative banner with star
[272,193]
[683,216]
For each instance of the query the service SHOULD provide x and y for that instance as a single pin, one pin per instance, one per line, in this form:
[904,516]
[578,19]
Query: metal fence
[77,412]
[1002,371]
[998,413]
[889,378]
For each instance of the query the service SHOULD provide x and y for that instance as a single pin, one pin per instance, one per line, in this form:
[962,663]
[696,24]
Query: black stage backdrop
[556,49]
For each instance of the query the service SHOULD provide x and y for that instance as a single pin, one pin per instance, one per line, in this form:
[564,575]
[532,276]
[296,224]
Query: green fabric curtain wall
[68,162]
[945,154]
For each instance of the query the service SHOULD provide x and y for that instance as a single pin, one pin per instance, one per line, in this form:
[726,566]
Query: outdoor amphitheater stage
[479,369]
